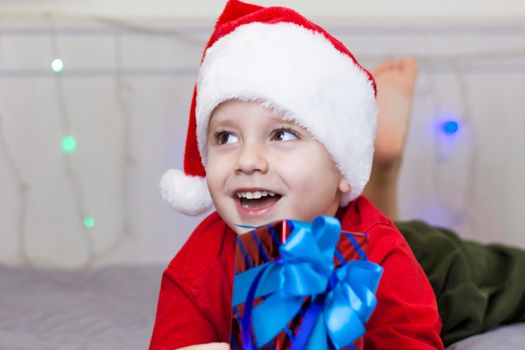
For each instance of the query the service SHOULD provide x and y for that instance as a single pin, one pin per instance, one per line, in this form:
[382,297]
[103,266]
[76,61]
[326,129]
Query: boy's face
[252,150]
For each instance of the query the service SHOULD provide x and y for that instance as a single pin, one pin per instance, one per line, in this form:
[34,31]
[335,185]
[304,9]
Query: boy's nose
[251,159]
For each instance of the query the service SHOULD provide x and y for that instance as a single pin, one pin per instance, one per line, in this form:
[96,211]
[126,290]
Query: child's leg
[395,89]
[478,286]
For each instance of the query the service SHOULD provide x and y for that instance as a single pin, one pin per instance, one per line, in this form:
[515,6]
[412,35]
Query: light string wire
[78,193]
[473,159]
[132,26]
[127,161]
[199,40]
[436,103]
[22,188]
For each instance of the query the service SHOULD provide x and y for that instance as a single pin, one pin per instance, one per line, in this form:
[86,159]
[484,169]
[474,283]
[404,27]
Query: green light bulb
[57,65]
[69,144]
[89,222]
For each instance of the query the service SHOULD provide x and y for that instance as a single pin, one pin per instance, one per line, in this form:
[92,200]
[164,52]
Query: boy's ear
[344,186]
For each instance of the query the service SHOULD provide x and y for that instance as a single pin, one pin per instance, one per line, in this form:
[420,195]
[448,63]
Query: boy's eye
[224,137]
[285,134]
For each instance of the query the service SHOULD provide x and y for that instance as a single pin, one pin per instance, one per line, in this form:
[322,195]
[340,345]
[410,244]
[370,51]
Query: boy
[282,125]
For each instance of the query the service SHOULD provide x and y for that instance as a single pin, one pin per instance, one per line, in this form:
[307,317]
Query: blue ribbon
[342,299]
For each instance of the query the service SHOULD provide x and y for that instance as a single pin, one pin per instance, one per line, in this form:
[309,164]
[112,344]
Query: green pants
[478,286]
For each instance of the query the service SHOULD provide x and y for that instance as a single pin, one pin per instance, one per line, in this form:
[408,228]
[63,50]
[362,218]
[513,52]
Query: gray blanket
[114,308]
[107,308]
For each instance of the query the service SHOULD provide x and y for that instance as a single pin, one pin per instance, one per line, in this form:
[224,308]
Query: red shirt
[195,297]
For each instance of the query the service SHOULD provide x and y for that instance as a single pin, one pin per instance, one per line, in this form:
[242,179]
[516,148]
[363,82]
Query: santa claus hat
[275,55]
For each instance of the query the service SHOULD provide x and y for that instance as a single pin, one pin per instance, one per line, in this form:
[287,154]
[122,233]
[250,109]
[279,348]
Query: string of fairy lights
[449,126]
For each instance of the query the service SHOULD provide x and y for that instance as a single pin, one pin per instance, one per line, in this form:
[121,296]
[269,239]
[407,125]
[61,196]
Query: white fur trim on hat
[186,194]
[299,71]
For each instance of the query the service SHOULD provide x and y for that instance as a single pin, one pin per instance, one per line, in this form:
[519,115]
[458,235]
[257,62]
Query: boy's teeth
[255,195]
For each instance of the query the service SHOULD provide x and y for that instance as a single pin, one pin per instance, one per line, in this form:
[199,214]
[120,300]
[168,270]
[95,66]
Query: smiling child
[282,125]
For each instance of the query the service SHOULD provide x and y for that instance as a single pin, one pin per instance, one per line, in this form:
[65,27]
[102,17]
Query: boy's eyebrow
[224,121]
[227,120]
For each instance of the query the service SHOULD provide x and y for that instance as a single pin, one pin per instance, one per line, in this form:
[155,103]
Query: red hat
[276,56]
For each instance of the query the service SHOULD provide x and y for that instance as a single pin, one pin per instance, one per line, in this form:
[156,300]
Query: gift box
[302,285]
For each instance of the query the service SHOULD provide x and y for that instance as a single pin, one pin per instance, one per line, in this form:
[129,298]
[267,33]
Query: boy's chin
[255,220]
[251,223]
[240,230]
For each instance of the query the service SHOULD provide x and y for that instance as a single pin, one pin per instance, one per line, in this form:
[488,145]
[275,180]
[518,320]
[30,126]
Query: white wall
[125,95]
[206,10]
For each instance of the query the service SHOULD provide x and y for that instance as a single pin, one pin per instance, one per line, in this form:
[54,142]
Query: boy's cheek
[214,173]
[217,197]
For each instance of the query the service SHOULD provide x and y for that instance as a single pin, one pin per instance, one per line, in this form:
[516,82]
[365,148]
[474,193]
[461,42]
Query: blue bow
[342,299]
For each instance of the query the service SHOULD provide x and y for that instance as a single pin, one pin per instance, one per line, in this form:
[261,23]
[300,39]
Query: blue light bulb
[450,127]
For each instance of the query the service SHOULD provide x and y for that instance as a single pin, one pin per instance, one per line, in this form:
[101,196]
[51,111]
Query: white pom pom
[186,194]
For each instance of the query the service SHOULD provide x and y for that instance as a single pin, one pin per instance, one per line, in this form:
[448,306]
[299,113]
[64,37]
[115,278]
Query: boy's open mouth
[257,199]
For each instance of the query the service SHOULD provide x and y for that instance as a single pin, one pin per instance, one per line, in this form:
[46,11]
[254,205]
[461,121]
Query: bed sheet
[114,307]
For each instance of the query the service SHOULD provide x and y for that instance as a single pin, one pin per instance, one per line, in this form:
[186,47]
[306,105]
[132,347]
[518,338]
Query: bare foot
[395,90]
